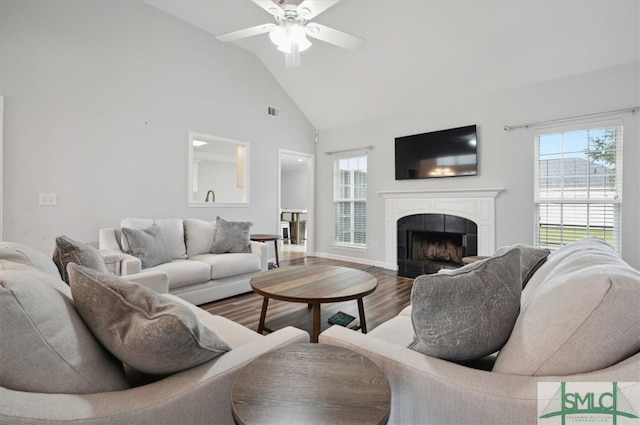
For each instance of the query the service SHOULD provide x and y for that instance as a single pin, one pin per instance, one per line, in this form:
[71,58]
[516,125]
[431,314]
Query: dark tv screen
[444,153]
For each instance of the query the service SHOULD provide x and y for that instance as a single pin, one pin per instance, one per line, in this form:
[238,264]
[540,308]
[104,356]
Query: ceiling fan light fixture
[284,36]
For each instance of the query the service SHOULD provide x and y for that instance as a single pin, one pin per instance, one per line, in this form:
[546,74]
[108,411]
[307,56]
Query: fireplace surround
[476,205]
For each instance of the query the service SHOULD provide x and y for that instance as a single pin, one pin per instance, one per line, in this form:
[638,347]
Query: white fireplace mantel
[477,205]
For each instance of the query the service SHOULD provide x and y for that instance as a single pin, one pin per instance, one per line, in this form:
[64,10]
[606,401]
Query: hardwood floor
[390,297]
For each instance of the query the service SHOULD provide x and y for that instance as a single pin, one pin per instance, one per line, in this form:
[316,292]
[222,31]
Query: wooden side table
[268,238]
[311,384]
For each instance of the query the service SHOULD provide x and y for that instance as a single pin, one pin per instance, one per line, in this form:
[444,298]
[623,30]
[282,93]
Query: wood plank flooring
[390,297]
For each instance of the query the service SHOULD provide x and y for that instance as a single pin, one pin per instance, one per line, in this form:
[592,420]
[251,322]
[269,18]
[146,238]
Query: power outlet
[47,199]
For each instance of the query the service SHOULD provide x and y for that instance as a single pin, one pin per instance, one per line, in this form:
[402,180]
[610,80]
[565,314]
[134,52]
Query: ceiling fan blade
[270,7]
[333,36]
[309,9]
[247,32]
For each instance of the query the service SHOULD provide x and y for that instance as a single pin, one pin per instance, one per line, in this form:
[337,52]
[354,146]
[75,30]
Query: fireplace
[430,242]
[476,205]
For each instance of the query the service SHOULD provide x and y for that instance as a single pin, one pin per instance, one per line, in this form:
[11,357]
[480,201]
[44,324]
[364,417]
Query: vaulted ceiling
[421,53]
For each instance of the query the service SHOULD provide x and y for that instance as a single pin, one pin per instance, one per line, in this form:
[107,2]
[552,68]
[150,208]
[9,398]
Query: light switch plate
[47,199]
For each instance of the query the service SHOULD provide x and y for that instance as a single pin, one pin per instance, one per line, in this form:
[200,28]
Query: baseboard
[357,260]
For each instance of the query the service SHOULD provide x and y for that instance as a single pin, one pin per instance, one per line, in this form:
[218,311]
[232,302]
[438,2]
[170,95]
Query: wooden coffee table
[311,384]
[313,285]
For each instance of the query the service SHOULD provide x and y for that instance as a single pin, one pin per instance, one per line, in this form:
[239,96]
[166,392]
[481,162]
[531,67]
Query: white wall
[505,158]
[99,98]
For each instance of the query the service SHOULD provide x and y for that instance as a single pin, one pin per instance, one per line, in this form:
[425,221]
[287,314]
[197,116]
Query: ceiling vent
[273,111]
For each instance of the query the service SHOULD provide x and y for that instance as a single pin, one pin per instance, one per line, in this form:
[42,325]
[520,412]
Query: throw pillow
[531,258]
[45,346]
[173,229]
[199,235]
[231,236]
[145,330]
[69,251]
[149,245]
[469,314]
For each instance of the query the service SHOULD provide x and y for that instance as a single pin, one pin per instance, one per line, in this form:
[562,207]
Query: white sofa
[44,343]
[578,322]
[194,274]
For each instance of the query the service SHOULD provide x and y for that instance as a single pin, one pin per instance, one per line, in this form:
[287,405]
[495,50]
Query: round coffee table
[311,384]
[313,285]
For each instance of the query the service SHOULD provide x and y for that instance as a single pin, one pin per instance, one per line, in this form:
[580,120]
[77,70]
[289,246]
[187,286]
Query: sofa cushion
[226,265]
[185,272]
[467,314]
[69,251]
[173,229]
[145,330]
[45,345]
[531,258]
[231,236]
[582,317]
[199,236]
[19,253]
[148,244]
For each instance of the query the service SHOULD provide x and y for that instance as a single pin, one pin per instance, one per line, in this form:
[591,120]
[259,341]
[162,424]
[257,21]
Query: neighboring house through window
[350,201]
[578,181]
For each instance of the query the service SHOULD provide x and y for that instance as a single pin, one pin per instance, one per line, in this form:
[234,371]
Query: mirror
[218,171]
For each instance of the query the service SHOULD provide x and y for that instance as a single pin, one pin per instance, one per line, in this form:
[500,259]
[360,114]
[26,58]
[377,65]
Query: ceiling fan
[292,27]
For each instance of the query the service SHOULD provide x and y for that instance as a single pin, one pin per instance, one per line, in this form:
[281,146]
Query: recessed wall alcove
[475,205]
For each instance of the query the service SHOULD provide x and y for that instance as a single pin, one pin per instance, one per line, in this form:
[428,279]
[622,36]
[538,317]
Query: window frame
[352,199]
[605,198]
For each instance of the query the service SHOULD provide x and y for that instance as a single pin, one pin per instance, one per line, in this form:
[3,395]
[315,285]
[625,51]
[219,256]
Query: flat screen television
[444,153]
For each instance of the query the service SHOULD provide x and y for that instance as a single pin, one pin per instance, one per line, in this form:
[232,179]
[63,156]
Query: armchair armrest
[198,395]
[430,390]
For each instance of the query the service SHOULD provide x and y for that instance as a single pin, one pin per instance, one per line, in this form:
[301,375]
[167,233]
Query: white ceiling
[421,53]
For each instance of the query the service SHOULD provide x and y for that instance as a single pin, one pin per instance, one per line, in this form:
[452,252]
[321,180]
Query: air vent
[273,111]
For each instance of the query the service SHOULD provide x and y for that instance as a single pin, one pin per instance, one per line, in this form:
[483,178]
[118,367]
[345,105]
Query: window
[578,181]
[350,200]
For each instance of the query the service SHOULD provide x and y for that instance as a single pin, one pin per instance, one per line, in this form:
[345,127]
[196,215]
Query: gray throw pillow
[148,244]
[145,330]
[531,258]
[45,346]
[231,236]
[69,251]
[469,314]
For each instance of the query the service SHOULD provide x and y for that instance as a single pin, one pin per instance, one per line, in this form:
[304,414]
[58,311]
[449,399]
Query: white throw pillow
[199,236]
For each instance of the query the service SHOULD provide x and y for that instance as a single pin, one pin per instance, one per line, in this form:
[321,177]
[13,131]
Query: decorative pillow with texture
[145,330]
[231,236]
[45,345]
[199,236]
[149,245]
[69,251]
[531,258]
[582,317]
[173,229]
[468,314]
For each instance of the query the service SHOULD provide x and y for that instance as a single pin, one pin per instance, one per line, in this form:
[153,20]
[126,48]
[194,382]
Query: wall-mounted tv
[444,153]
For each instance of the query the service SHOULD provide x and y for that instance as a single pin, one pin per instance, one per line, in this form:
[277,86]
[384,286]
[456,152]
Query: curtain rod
[632,109]
[364,148]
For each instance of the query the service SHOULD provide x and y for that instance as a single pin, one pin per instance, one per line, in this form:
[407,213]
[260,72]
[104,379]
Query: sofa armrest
[261,249]
[108,240]
[198,395]
[430,390]
[152,279]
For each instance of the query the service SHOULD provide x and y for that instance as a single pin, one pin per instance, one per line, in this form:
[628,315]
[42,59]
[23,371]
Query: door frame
[310,194]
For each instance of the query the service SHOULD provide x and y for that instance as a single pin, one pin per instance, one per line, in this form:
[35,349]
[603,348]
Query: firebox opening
[429,246]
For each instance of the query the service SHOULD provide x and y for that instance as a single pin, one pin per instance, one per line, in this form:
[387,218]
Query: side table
[267,238]
[311,384]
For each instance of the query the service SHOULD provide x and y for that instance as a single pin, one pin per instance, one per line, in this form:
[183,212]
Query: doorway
[295,202]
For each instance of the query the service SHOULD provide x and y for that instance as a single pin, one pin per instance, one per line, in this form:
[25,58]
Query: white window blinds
[350,200]
[578,181]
